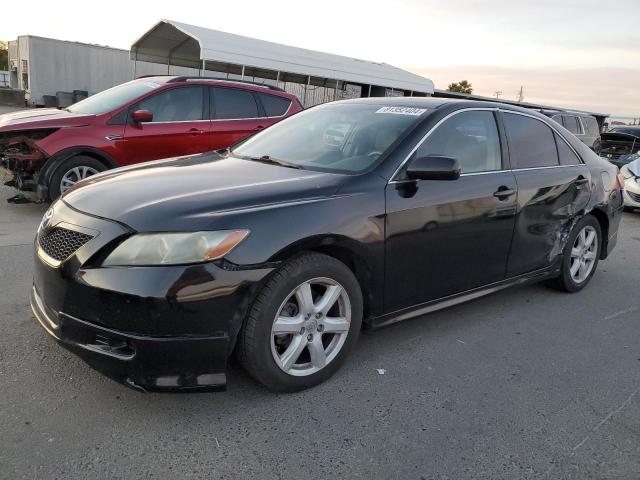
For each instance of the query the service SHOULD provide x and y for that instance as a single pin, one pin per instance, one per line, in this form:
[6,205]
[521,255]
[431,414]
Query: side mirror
[141,116]
[434,167]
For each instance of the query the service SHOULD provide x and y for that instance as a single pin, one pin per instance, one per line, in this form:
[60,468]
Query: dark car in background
[360,212]
[582,125]
[49,150]
[620,145]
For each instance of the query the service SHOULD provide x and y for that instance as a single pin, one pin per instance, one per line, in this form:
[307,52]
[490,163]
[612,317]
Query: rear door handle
[259,127]
[504,192]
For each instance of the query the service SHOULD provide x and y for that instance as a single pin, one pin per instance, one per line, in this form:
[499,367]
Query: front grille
[60,243]
[634,196]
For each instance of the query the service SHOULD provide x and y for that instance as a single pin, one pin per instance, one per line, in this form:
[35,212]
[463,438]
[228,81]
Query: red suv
[145,119]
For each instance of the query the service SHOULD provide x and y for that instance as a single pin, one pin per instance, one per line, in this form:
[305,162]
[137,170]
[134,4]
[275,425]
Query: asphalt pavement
[527,383]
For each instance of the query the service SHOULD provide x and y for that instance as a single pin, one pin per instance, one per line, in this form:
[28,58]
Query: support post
[242,78]
[306,86]
[369,90]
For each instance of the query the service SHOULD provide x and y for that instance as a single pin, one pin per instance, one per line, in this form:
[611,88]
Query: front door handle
[504,192]
[195,131]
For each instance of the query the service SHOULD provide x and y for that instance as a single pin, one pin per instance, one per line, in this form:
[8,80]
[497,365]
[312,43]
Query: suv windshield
[113,98]
[341,138]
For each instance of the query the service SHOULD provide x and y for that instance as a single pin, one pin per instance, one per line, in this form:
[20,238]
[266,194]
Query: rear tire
[72,171]
[580,256]
[319,324]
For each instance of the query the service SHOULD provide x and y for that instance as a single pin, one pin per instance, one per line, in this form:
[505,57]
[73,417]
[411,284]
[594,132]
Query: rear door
[553,186]
[235,114]
[179,127]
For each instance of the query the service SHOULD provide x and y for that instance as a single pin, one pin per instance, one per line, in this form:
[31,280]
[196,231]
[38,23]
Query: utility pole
[520,97]
[497,93]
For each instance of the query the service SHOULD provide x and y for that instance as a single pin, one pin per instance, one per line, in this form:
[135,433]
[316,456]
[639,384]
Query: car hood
[196,191]
[42,118]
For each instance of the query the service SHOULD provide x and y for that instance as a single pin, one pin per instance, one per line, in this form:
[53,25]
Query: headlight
[174,248]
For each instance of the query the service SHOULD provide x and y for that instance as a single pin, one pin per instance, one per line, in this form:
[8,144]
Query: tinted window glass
[233,103]
[274,106]
[471,138]
[180,104]
[571,123]
[591,125]
[531,142]
[567,157]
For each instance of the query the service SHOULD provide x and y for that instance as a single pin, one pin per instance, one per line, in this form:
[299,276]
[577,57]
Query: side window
[471,138]
[566,155]
[591,125]
[232,103]
[180,104]
[531,142]
[274,106]
[557,119]
[571,123]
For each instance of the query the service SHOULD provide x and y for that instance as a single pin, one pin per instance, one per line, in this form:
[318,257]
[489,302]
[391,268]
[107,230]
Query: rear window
[565,153]
[232,103]
[274,106]
[572,124]
[531,142]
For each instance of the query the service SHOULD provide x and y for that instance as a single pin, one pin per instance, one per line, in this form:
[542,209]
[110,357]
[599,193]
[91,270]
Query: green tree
[460,87]
[4,56]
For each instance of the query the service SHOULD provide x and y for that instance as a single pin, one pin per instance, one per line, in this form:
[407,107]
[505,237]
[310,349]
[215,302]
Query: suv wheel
[71,171]
[303,323]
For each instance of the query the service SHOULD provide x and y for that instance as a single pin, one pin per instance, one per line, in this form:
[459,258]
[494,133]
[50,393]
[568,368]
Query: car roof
[246,84]
[437,102]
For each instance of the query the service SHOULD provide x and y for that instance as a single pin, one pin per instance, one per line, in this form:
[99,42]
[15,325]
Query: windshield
[112,98]
[342,138]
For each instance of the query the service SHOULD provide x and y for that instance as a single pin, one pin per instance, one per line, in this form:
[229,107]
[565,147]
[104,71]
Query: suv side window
[566,154]
[591,125]
[233,103]
[572,123]
[471,138]
[531,142]
[179,104]
[274,106]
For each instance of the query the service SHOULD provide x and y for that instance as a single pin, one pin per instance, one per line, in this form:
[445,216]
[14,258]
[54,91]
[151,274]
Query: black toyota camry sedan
[280,249]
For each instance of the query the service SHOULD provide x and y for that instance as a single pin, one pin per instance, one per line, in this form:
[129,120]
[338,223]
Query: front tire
[72,171]
[580,256]
[303,323]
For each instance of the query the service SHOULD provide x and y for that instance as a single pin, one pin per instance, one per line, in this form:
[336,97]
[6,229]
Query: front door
[179,126]
[553,186]
[443,236]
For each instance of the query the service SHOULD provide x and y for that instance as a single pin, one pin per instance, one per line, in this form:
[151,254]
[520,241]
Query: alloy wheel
[74,175]
[311,326]
[583,254]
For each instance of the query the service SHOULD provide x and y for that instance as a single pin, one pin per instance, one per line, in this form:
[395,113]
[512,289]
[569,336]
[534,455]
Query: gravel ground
[525,383]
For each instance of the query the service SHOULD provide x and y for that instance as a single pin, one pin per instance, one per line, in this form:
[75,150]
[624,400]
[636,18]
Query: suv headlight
[174,248]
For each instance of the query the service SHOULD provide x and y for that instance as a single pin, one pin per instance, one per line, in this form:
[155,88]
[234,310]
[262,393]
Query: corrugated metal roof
[188,45]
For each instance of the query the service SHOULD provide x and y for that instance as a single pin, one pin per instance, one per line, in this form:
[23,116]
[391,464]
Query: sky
[582,54]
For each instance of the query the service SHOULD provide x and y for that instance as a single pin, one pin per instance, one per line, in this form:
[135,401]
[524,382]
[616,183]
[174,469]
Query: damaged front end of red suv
[22,156]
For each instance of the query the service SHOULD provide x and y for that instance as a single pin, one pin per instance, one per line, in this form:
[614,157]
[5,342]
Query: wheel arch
[345,250]
[53,162]
[603,220]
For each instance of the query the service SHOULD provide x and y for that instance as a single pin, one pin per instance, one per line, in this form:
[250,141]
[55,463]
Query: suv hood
[192,192]
[42,118]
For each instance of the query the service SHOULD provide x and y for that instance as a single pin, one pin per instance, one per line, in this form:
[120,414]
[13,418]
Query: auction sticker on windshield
[402,110]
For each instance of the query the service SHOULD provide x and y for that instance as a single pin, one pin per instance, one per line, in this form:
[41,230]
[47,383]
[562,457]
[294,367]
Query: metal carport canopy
[179,44]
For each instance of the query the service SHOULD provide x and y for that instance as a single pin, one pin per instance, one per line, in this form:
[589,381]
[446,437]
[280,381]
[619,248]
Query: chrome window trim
[497,109]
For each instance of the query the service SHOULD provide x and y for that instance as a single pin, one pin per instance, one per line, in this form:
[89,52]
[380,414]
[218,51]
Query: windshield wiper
[274,161]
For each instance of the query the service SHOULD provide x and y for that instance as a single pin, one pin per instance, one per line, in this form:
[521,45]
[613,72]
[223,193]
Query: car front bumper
[169,328]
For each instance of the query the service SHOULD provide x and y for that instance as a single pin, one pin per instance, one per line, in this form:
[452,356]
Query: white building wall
[56,65]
